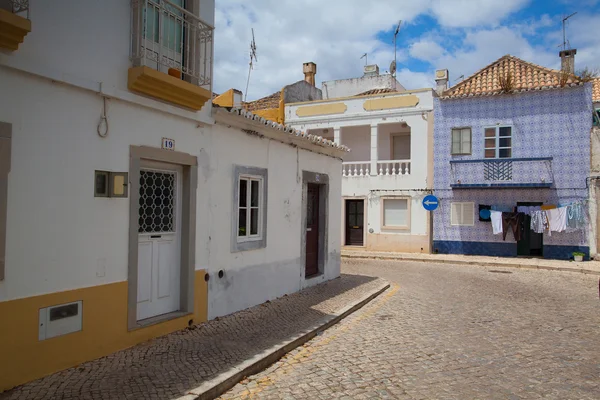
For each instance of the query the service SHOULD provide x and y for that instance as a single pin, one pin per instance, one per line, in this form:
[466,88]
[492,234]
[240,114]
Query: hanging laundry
[548,207]
[528,210]
[496,217]
[557,217]
[514,220]
[538,224]
[576,217]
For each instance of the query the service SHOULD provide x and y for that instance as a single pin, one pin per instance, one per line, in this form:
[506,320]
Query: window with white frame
[250,203]
[498,142]
[396,213]
[249,208]
[461,141]
[462,214]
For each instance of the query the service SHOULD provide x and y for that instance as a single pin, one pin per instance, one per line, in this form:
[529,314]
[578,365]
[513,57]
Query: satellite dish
[393,67]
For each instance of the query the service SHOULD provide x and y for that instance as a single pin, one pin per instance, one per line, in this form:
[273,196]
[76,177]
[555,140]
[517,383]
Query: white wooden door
[159,241]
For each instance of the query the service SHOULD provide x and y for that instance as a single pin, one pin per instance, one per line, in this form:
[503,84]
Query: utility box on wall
[60,319]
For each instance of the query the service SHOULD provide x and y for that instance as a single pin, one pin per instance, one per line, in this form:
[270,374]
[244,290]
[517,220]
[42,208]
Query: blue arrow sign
[430,202]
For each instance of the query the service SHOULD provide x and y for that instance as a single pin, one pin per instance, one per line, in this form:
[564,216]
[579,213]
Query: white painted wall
[58,233]
[354,86]
[355,128]
[60,237]
[87,43]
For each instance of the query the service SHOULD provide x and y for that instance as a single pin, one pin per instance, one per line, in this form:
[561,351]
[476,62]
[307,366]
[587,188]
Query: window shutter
[395,212]
[462,214]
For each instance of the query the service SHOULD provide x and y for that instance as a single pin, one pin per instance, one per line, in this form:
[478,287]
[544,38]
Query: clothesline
[550,218]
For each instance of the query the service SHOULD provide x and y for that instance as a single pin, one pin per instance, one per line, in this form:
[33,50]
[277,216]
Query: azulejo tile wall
[549,123]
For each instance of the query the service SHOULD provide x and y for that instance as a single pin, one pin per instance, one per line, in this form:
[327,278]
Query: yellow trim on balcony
[322,109]
[387,103]
[13,30]
[165,87]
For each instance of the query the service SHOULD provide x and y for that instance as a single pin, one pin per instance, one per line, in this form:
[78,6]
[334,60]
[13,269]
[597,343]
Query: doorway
[355,216]
[312,230]
[531,243]
[159,239]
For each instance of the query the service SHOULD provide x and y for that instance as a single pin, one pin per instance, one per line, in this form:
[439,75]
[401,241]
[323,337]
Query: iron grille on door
[497,171]
[157,202]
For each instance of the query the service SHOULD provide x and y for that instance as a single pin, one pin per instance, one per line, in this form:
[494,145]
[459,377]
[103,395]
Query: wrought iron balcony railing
[171,39]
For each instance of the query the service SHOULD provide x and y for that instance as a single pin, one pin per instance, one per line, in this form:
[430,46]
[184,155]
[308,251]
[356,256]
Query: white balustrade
[393,167]
[356,169]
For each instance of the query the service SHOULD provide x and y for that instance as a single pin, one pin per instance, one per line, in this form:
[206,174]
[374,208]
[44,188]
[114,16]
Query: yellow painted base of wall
[398,243]
[24,358]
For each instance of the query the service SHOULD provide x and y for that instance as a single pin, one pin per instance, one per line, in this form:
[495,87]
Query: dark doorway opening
[355,216]
[531,243]
[312,230]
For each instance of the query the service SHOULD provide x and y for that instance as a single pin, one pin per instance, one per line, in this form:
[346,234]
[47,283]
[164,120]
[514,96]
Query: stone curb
[475,263]
[225,381]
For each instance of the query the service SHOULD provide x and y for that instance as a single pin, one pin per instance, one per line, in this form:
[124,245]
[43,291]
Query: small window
[250,208]
[462,214]
[461,141]
[396,213]
[596,118]
[498,142]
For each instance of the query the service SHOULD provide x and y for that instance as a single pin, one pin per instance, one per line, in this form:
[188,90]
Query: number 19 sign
[430,202]
[168,144]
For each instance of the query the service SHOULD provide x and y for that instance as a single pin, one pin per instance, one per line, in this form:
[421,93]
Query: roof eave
[281,133]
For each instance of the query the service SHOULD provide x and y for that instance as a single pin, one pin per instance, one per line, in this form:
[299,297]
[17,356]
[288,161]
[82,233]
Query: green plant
[578,253]
[587,74]
[506,83]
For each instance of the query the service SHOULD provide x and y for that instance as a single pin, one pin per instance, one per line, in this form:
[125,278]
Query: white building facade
[129,207]
[390,167]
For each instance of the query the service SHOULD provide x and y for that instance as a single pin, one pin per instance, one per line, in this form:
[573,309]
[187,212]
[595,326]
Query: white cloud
[468,13]
[335,33]
[426,50]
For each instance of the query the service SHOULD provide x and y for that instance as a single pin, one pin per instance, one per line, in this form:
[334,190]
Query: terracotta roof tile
[271,101]
[525,76]
[596,90]
[377,91]
[318,140]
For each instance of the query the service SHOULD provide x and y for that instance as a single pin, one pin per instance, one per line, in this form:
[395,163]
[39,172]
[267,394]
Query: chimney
[441,81]
[310,70]
[371,70]
[567,60]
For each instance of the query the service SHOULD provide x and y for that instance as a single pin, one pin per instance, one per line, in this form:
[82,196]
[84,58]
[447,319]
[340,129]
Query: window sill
[165,87]
[159,319]
[395,228]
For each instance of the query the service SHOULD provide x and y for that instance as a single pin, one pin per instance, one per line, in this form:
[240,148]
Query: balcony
[171,52]
[361,169]
[14,23]
[503,172]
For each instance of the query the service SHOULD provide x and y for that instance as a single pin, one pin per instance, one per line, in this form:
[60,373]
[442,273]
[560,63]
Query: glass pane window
[249,207]
[498,142]
[461,141]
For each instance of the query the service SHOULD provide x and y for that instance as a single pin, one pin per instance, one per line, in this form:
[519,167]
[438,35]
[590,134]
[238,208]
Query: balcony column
[337,135]
[374,149]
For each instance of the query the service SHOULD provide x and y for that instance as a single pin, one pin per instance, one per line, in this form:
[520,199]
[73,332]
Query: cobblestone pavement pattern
[448,332]
[167,367]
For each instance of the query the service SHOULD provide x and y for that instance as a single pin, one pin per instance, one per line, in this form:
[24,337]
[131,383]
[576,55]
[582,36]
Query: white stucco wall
[354,86]
[59,234]
[355,131]
[60,237]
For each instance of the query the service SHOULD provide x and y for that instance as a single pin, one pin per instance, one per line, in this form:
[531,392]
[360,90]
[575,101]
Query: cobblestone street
[451,332]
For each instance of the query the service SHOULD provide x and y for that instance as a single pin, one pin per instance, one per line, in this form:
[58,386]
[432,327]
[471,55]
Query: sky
[462,36]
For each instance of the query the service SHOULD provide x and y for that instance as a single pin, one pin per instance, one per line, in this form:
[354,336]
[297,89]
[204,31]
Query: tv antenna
[393,70]
[366,57]
[566,43]
[251,64]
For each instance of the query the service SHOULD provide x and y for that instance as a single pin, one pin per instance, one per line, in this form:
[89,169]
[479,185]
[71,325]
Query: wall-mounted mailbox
[60,319]
[110,184]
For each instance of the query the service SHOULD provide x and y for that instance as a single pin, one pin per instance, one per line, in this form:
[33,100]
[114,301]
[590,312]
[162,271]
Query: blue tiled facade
[551,152]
